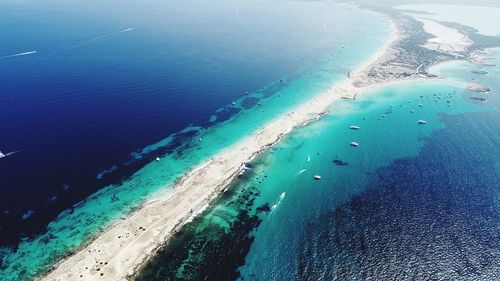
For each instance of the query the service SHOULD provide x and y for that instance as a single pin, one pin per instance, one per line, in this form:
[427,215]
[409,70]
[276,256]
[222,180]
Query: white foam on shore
[196,213]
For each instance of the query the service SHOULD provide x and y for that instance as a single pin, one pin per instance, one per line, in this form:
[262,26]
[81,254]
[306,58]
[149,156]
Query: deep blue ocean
[85,84]
[92,92]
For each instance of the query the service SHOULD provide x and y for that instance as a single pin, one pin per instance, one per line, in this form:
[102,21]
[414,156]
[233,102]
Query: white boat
[5,155]
[157,159]
[354,127]
[317,177]
[282,196]
[422,122]
[355,144]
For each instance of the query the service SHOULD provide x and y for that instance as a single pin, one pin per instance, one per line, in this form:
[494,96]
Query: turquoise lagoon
[78,225]
[278,223]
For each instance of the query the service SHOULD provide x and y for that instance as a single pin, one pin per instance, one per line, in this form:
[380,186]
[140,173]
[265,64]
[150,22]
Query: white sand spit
[118,252]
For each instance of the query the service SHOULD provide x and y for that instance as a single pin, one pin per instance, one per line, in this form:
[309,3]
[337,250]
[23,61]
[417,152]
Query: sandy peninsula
[118,253]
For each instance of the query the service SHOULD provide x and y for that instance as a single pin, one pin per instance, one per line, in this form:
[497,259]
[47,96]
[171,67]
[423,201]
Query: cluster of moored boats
[356,144]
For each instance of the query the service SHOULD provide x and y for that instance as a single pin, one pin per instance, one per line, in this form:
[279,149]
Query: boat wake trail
[19,55]
[277,204]
[301,171]
[95,39]
[2,155]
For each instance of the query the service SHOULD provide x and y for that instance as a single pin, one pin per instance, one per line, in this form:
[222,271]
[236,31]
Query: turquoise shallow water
[404,204]
[382,140]
[278,253]
[74,227]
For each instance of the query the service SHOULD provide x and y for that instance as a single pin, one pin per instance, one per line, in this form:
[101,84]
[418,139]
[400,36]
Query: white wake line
[277,204]
[20,54]
[8,154]
[74,47]
[95,39]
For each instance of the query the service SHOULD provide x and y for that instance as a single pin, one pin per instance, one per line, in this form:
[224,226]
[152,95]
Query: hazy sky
[399,2]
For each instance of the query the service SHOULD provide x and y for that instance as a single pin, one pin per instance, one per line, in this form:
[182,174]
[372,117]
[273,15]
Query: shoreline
[118,252]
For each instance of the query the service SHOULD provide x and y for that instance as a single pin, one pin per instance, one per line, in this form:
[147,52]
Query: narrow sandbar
[118,252]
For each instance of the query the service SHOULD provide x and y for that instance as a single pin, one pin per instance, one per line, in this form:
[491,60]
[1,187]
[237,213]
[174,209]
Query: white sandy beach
[118,252]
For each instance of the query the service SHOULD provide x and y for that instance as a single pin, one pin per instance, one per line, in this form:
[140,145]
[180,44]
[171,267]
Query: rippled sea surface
[412,202]
[93,92]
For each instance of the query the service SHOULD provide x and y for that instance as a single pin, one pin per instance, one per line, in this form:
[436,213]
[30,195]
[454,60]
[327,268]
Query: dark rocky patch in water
[249,102]
[478,98]
[226,113]
[339,162]
[433,217]
[204,250]
[479,72]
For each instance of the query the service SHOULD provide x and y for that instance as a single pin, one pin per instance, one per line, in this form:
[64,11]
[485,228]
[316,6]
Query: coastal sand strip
[109,257]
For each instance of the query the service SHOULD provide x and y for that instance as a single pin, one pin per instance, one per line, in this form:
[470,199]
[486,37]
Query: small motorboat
[355,144]
[422,122]
[317,177]
[354,127]
[157,159]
